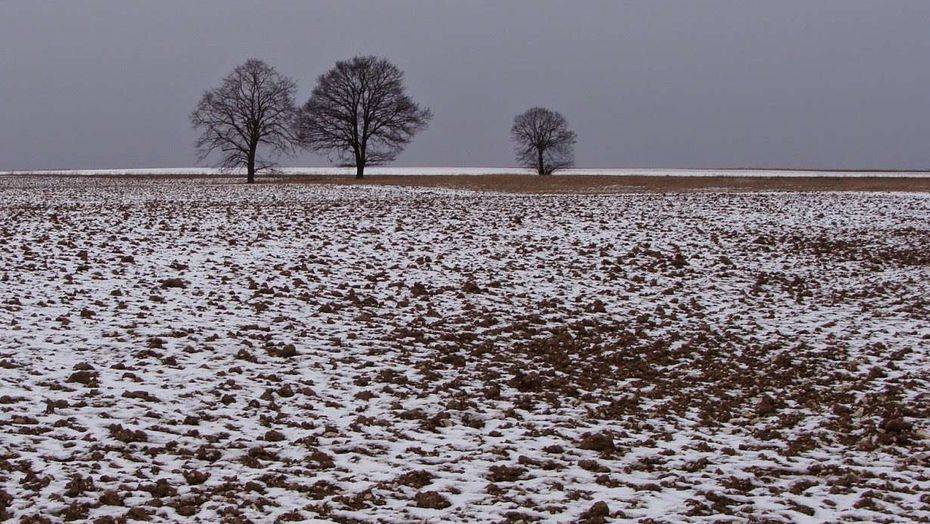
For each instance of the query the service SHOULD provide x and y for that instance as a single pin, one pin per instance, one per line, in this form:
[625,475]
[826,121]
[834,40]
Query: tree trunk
[250,169]
[540,167]
[360,169]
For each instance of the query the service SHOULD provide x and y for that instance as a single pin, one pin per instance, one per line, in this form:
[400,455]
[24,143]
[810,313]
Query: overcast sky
[648,83]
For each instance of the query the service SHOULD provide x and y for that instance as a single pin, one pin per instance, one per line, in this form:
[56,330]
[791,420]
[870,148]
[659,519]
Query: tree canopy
[543,140]
[252,108]
[360,112]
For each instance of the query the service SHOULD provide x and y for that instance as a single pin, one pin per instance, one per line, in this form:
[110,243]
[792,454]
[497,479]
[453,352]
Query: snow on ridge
[476,171]
[184,350]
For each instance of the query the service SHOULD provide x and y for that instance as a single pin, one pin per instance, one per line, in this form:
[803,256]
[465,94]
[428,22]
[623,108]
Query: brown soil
[519,183]
[611,184]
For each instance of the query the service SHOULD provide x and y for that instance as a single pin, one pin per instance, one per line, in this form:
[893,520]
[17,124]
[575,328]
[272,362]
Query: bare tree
[543,141]
[360,112]
[253,107]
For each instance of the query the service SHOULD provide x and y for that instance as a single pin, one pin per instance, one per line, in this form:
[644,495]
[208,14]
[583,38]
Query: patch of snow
[477,171]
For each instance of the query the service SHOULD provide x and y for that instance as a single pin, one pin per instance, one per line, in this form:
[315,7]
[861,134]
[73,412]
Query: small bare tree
[543,141]
[253,107]
[360,112]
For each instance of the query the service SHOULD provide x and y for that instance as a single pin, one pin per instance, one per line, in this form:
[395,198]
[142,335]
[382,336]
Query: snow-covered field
[177,349]
[446,171]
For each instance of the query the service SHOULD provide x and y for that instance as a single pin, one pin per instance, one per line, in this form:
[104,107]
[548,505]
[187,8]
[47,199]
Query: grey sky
[650,83]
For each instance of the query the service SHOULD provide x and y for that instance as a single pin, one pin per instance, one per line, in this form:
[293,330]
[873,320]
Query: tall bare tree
[252,108]
[359,111]
[543,140]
